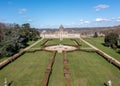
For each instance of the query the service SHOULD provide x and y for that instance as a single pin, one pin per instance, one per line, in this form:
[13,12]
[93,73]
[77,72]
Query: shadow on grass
[104,44]
[105,84]
[118,51]
[10,83]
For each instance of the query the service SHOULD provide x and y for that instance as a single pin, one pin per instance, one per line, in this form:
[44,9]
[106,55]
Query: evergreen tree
[111,39]
[95,34]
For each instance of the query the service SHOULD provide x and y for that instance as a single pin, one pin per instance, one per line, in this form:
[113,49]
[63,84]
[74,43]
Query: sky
[53,13]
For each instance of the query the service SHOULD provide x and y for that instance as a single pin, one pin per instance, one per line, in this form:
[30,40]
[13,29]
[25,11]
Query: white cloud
[81,20]
[22,10]
[87,22]
[116,19]
[84,22]
[101,6]
[29,20]
[101,19]
[119,17]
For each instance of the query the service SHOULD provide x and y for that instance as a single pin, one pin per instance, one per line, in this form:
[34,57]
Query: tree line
[13,37]
[111,39]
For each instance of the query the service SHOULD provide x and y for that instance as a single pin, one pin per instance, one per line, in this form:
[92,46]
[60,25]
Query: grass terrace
[39,44]
[90,69]
[28,70]
[98,43]
[57,76]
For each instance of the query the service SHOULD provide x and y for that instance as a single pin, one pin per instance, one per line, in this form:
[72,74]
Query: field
[86,69]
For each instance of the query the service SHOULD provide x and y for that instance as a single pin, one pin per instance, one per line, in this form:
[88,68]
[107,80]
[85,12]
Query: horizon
[69,13]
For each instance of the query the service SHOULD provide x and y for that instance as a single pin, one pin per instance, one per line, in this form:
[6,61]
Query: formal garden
[80,67]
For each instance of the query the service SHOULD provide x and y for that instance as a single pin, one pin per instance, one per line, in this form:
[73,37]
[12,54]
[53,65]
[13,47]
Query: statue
[5,83]
[109,83]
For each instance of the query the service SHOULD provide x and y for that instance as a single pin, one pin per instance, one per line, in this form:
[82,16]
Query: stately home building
[60,33]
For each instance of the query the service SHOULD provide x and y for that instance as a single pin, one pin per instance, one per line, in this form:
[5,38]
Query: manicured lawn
[57,76]
[38,45]
[83,45]
[53,42]
[30,42]
[68,41]
[86,69]
[98,43]
[28,70]
[90,69]
[2,59]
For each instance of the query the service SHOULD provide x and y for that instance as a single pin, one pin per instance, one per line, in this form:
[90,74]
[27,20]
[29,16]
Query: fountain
[60,48]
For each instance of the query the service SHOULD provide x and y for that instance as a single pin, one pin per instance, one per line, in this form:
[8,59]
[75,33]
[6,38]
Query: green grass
[57,76]
[30,42]
[83,45]
[68,41]
[90,69]
[54,41]
[98,43]
[28,70]
[39,44]
[86,69]
[2,59]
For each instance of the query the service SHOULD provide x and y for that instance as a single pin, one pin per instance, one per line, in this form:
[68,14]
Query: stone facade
[61,33]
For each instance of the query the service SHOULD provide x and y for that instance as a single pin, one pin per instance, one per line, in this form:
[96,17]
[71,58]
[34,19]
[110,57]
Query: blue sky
[69,13]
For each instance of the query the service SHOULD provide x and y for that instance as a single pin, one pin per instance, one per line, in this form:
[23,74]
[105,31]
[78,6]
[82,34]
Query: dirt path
[100,51]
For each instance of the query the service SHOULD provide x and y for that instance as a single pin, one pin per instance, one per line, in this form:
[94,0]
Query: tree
[29,33]
[111,39]
[95,34]
[1,35]
[2,26]
[13,37]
